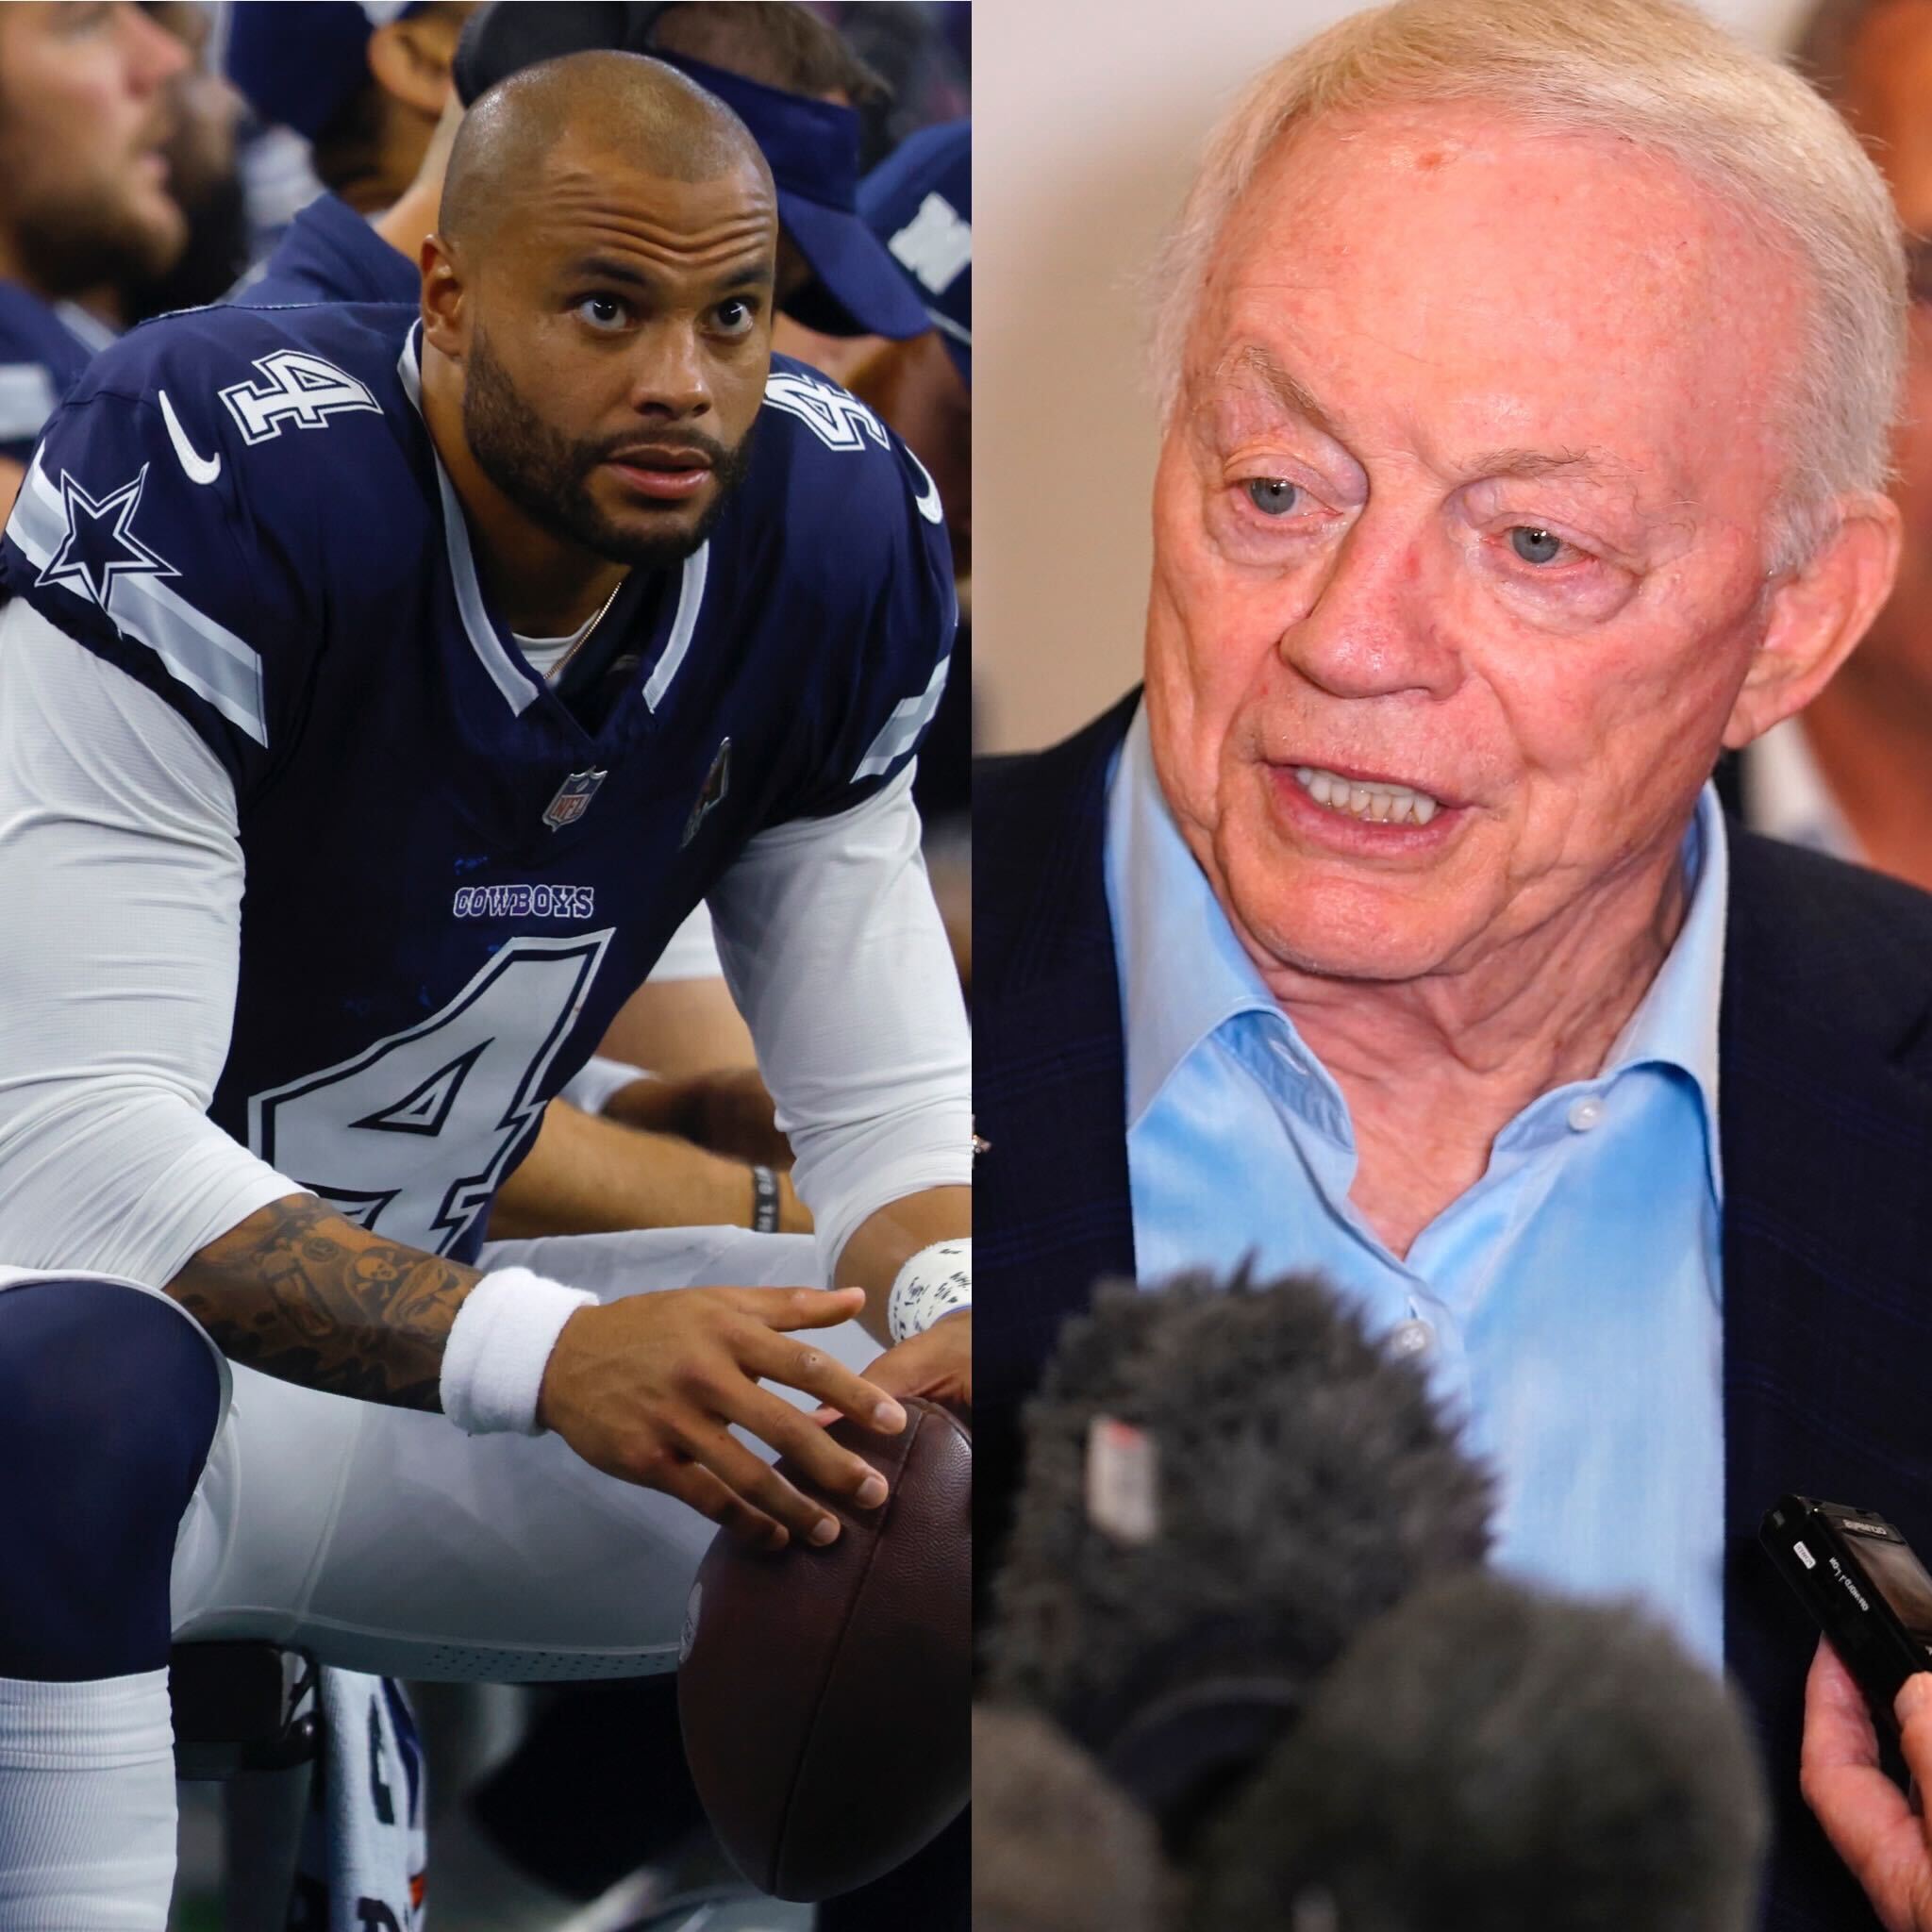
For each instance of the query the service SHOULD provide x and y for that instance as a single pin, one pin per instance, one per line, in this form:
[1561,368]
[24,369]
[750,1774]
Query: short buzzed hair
[637,106]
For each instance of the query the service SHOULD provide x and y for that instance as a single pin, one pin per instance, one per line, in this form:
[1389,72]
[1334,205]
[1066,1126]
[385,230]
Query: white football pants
[385,1539]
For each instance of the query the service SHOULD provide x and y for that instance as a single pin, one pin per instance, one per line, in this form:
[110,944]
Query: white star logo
[99,544]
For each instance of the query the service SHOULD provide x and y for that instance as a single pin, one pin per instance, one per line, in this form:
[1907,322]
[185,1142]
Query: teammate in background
[84,121]
[204,178]
[367,87]
[273,582]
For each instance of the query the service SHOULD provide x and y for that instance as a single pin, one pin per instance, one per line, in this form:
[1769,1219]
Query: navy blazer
[1825,1108]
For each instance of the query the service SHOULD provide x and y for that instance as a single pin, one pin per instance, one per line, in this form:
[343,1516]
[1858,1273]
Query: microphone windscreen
[1488,1757]
[1276,1480]
[1056,1847]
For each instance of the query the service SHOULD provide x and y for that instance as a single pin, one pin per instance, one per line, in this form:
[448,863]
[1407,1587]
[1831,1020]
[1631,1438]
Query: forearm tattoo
[298,1291]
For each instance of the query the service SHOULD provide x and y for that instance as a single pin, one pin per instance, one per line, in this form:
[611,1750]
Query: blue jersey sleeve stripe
[209,660]
[901,729]
[690,598]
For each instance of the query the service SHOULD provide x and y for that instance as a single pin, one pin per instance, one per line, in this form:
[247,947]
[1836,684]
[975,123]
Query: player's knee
[100,1374]
[109,1399]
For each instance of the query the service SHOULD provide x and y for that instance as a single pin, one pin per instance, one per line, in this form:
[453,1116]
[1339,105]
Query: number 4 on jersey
[299,388]
[411,1137]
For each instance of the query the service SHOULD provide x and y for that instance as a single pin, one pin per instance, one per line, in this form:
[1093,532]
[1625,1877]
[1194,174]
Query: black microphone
[1223,1485]
[1487,1757]
[1056,1847]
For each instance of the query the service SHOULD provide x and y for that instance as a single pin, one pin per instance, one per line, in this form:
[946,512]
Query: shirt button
[1411,1338]
[1585,1113]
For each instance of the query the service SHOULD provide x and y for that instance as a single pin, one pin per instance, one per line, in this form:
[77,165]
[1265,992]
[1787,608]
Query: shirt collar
[1675,1023]
[1184,973]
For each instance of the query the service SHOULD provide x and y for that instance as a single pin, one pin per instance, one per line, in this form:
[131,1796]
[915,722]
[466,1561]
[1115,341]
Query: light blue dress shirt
[1566,1308]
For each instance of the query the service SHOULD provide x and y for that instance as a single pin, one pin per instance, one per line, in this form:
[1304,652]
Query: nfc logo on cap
[935,244]
[691,1607]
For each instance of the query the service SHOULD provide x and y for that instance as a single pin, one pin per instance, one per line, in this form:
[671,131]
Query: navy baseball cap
[918,202]
[302,65]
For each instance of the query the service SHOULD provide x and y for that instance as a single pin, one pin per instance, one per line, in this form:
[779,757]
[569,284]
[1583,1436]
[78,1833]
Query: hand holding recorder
[1869,1687]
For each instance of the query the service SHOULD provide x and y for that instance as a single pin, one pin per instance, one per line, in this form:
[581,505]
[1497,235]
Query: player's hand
[647,1388]
[1870,1821]
[938,1364]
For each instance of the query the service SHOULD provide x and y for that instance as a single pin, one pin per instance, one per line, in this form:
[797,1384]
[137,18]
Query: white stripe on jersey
[690,597]
[205,656]
[899,732]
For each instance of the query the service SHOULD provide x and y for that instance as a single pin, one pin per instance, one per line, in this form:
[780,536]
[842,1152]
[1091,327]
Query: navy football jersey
[452,884]
[43,348]
[329,253]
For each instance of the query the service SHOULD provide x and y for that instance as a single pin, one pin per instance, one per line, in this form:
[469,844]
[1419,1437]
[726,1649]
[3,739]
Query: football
[825,1694]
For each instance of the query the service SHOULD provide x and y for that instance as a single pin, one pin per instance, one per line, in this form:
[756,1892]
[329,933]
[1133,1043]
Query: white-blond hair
[1661,75]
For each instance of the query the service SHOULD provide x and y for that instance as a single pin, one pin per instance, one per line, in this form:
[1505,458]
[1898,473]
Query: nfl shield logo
[572,799]
[711,794]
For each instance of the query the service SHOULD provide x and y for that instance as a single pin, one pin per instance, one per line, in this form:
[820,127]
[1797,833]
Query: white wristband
[493,1363]
[935,1282]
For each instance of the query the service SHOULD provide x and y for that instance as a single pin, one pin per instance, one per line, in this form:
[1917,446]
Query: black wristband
[764,1200]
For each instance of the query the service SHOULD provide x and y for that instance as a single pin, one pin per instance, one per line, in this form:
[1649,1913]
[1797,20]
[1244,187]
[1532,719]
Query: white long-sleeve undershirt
[121,882]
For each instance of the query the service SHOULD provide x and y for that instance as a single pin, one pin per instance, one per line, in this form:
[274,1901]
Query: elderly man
[1527,374]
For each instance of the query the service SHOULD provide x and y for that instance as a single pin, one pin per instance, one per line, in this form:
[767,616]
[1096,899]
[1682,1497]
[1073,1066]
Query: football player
[475,646]
[84,120]
[330,70]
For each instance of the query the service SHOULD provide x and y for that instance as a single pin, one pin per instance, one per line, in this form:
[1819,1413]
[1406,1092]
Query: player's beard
[547,475]
[77,228]
[71,243]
